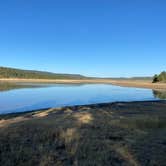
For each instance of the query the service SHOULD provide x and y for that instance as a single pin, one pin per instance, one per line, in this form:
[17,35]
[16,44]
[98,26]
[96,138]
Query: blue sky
[108,38]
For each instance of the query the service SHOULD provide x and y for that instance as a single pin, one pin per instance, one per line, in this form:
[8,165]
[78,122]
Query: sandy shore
[140,84]
[126,83]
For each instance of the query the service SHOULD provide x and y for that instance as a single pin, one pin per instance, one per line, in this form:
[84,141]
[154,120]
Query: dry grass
[140,84]
[83,118]
[128,134]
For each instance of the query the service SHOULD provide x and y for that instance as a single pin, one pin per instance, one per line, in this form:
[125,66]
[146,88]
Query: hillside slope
[18,73]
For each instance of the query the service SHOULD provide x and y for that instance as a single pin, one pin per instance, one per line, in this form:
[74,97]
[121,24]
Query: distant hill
[160,78]
[141,78]
[6,72]
[132,78]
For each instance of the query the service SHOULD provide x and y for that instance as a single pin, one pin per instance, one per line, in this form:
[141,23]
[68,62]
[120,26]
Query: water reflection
[7,86]
[159,94]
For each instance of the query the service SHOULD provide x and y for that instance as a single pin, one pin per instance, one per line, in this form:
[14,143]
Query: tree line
[160,77]
[29,74]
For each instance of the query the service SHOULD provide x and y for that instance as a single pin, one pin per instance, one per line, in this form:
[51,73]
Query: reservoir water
[27,97]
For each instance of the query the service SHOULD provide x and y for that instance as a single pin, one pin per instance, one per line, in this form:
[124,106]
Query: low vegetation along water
[27,97]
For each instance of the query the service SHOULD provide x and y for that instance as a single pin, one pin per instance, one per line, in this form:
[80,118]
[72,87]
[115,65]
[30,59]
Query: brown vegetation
[103,134]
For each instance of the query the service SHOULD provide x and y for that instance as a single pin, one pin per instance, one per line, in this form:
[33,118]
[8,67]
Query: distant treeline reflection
[6,86]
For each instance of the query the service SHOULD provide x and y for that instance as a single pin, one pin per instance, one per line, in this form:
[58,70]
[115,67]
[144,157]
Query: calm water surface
[27,97]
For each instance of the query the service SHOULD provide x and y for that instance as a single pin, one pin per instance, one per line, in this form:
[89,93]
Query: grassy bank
[103,134]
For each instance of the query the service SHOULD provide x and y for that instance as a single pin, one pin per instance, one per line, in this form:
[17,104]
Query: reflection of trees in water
[6,86]
[159,94]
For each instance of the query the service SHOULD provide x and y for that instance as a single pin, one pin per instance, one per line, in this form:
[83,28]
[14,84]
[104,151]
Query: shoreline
[124,83]
[76,107]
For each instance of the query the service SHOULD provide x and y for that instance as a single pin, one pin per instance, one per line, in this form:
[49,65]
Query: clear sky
[92,37]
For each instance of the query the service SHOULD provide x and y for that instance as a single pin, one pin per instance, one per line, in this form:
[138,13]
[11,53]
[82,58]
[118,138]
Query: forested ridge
[30,74]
